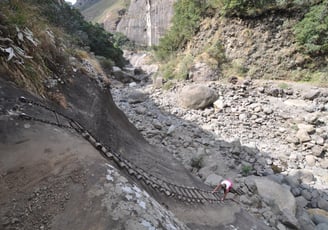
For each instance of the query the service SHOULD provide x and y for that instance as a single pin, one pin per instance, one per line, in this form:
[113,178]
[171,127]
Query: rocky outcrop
[146,20]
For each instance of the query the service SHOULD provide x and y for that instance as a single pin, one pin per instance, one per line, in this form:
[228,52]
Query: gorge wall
[142,21]
[146,20]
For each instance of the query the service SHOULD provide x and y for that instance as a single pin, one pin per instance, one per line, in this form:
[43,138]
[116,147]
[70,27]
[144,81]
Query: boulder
[122,76]
[318,216]
[321,226]
[305,221]
[317,151]
[310,160]
[306,127]
[324,163]
[303,136]
[305,176]
[219,105]
[203,72]
[136,96]
[296,103]
[292,181]
[288,219]
[251,185]
[196,97]
[311,95]
[323,204]
[280,197]
[213,179]
[274,91]
[158,82]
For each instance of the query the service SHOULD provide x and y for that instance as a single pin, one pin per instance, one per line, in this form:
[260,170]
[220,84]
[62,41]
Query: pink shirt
[228,184]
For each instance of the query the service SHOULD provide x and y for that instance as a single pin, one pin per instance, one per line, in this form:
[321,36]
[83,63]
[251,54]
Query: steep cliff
[146,20]
[142,21]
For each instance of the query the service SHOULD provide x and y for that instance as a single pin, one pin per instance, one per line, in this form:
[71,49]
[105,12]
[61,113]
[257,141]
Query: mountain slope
[259,40]
[104,12]
[143,22]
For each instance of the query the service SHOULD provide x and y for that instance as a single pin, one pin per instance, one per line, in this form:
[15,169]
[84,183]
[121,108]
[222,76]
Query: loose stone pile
[274,130]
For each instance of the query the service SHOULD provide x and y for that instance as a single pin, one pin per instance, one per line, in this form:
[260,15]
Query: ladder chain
[180,192]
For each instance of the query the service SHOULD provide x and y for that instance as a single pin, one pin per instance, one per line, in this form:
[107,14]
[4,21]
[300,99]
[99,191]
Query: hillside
[281,40]
[103,12]
[266,41]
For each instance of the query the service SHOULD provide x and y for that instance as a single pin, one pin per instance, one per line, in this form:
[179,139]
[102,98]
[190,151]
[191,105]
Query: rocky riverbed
[260,134]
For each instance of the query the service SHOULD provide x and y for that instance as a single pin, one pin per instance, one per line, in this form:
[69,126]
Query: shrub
[85,33]
[185,21]
[246,7]
[197,162]
[258,7]
[168,85]
[246,169]
[167,70]
[183,67]
[312,31]
[217,52]
[106,64]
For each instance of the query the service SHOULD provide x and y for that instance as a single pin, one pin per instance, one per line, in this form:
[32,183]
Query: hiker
[226,185]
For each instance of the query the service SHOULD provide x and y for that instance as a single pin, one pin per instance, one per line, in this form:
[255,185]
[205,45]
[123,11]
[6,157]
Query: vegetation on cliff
[40,38]
[312,31]
[187,15]
[306,22]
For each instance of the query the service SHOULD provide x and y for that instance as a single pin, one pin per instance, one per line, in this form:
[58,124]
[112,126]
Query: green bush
[185,21]
[217,51]
[312,31]
[246,170]
[167,70]
[197,162]
[246,7]
[183,67]
[258,7]
[85,33]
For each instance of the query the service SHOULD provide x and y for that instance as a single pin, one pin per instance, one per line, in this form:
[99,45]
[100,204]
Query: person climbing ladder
[226,185]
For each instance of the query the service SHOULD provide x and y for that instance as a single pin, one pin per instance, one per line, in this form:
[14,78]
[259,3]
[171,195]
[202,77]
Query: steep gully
[183,193]
[91,108]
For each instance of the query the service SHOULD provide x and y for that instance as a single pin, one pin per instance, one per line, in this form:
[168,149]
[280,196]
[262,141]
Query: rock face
[146,20]
[73,175]
[84,3]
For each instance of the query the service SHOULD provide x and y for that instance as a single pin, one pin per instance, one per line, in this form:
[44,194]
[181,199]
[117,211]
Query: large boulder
[278,196]
[123,76]
[196,97]
[136,96]
[318,216]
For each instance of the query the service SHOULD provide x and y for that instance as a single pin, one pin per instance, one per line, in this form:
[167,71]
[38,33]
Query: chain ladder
[180,192]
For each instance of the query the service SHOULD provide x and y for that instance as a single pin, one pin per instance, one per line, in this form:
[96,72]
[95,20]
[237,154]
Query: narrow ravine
[258,130]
